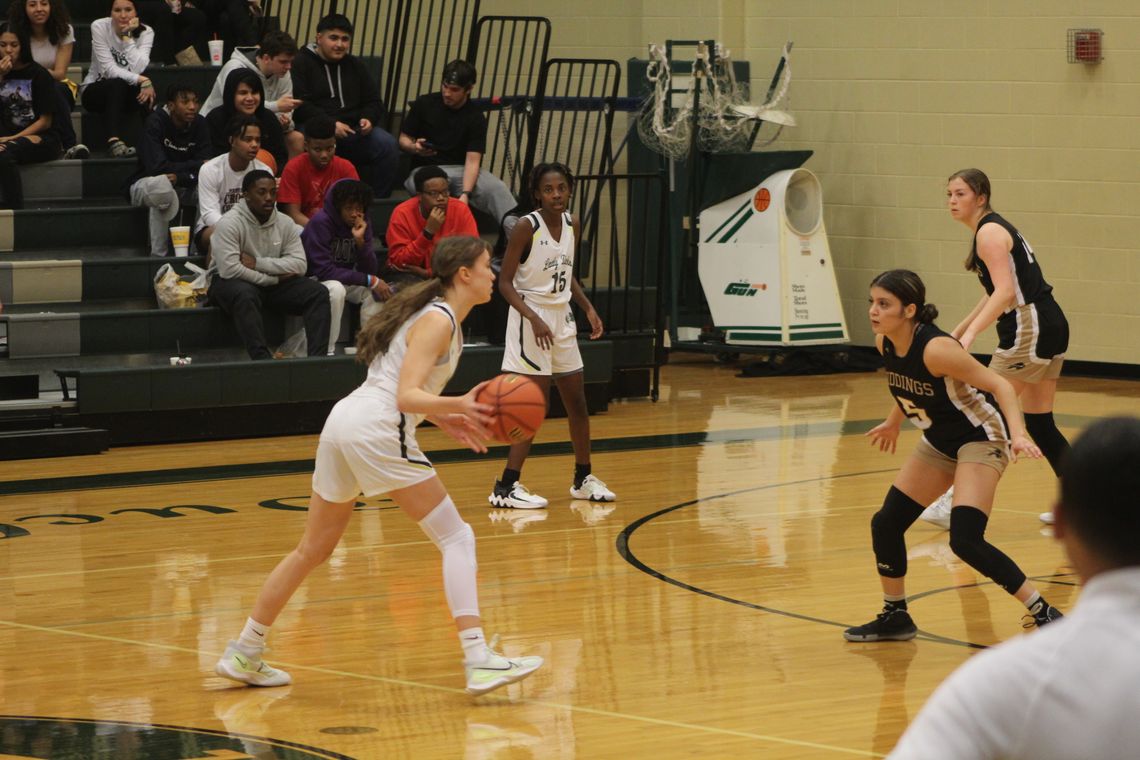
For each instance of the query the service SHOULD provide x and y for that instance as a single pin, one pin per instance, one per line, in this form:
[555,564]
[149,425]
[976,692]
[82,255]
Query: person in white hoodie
[260,260]
[273,61]
[115,85]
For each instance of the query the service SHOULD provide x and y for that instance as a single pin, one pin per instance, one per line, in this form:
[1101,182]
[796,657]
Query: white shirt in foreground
[1070,690]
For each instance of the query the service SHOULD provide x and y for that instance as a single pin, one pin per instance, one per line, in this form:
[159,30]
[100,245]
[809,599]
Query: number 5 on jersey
[915,413]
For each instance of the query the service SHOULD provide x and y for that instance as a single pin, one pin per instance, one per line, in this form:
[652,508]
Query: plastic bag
[175,291]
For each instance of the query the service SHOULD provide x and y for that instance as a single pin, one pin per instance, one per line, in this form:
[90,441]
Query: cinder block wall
[895,95]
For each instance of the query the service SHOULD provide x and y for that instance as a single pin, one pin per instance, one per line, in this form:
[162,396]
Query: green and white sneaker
[237,666]
[497,671]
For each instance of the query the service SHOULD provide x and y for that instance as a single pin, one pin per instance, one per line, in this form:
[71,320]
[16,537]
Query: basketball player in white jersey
[368,445]
[1033,333]
[537,280]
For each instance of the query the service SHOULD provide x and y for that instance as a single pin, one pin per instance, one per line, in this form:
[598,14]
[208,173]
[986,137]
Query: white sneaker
[516,497]
[592,489]
[938,513]
[1046,517]
[497,671]
[237,666]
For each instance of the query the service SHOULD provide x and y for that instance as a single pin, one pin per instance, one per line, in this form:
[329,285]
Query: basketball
[519,407]
[266,158]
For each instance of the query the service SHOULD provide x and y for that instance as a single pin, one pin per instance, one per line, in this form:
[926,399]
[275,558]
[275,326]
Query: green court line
[448,456]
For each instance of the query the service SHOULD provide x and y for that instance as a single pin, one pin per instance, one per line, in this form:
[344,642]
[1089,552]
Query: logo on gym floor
[744,288]
[34,738]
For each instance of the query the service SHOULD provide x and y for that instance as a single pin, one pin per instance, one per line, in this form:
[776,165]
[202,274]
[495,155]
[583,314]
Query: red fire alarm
[1085,46]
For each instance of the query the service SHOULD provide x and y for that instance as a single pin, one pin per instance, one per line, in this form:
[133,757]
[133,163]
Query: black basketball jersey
[1029,284]
[950,413]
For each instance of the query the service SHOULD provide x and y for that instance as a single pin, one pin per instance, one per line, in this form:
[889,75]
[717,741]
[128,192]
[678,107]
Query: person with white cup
[174,144]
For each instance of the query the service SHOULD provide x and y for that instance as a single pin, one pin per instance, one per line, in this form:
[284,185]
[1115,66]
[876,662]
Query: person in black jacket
[328,79]
[174,145]
[244,94]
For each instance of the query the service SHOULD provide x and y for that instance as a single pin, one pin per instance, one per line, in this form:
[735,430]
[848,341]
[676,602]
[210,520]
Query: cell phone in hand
[430,145]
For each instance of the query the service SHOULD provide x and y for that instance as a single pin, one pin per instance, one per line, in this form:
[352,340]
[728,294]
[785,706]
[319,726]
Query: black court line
[628,555]
[445,456]
[315,751]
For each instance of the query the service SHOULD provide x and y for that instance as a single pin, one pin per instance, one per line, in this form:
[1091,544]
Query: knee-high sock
[967,540]
[456,541]
[1053,444]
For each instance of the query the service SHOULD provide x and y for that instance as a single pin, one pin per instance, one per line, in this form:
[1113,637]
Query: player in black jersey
[1033,333]
[968,438]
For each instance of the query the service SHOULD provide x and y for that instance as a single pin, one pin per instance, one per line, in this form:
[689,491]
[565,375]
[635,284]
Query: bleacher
[85,361]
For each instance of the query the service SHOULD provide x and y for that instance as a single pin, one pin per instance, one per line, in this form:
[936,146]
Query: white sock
[1032,600]
[252,639]
[474,645]
[456,542]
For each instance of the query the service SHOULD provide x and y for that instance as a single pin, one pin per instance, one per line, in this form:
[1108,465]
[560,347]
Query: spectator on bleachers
[243,96]
[179,31]
[115,85]
[338,246]
[260,260]
[235,21]
[271,62]
[173,147]
[423,220]
[308,177]
[48,27]
[446,129]
[328,79]
[27,104]
[220,180]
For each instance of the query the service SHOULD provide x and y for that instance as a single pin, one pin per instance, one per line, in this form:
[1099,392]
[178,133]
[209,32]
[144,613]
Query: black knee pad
[888,525]
[968,541]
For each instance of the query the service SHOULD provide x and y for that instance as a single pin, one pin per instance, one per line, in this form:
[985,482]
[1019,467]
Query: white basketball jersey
[384,371]
[545,276]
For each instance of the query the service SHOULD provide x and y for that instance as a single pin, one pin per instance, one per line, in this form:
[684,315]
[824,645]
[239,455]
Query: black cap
[459,73]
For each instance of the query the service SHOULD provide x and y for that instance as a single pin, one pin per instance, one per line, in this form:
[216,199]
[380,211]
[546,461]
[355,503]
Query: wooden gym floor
[699,616]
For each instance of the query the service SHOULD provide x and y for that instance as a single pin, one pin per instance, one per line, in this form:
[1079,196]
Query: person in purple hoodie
[338,245]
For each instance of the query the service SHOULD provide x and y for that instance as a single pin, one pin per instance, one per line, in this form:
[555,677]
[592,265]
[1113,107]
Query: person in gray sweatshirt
[258,259]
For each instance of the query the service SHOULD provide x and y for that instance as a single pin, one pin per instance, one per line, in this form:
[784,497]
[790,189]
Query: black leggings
[22,151]
[174,32]
[116,100]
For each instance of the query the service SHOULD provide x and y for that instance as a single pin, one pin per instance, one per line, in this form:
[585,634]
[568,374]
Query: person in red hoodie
[420,222]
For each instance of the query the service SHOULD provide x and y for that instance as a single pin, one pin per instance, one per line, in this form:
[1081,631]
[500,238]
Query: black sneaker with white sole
[888,625]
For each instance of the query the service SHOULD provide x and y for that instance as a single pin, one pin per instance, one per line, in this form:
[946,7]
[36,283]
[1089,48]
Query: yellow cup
[180,239]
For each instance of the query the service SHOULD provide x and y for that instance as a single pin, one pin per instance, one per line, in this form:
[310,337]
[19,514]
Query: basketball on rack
[519,406]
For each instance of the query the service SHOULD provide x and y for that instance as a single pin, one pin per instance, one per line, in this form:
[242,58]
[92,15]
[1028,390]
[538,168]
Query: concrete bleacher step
[153,401]
[81,226]
[53,442]
[66,280]
[64,180]
[119,326]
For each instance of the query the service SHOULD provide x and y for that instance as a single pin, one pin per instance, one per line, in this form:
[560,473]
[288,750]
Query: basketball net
[725,121]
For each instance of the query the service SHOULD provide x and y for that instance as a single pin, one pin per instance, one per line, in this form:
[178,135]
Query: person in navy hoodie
[338,244]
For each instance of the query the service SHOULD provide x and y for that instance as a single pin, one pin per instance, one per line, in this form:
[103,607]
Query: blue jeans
[375,156]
